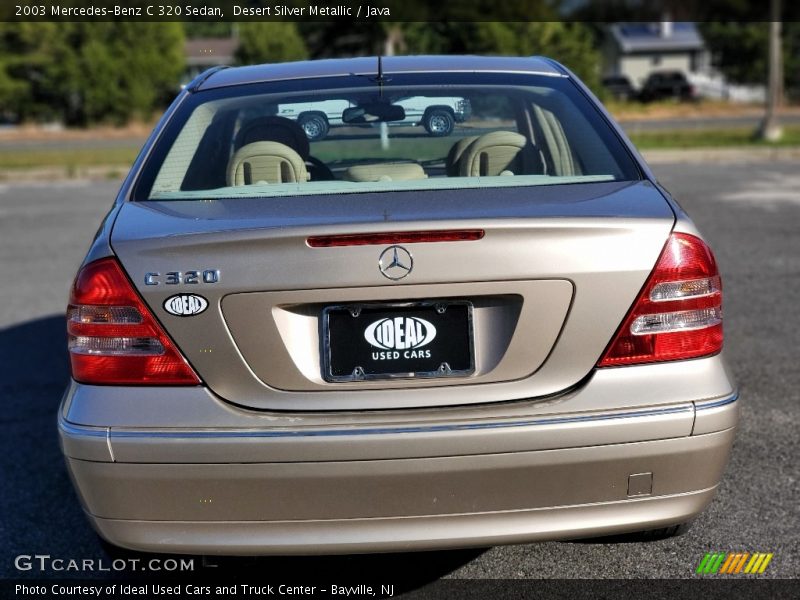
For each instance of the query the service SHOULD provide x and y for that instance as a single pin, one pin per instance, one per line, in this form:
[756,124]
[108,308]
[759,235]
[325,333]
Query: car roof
[369,65]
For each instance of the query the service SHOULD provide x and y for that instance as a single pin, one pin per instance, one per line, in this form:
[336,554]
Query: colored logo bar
[733,563]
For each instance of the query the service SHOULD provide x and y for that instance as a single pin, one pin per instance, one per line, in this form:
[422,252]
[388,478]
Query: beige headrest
[493,153]
[455,154]
[385,172]
[266,162]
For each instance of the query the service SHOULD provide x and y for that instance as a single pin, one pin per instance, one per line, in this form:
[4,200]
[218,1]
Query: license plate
[383,341]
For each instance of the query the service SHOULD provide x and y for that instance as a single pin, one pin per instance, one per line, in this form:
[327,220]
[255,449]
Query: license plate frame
[333,371]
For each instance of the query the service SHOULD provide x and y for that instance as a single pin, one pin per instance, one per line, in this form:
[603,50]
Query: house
[637,49]
[204,53]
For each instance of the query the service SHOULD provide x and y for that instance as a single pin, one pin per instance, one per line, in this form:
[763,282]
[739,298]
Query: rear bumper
[436,532]
[370,506]
[386,482]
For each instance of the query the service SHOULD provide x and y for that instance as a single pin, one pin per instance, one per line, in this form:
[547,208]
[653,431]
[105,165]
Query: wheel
[439,122]
[315,126]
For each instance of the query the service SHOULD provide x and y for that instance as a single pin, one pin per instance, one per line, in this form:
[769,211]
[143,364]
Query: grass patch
[70,159]
[672,108]
[709,138]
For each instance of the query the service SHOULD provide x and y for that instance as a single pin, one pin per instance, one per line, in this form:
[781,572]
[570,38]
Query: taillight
[678,314]
[396,237]
[113,336]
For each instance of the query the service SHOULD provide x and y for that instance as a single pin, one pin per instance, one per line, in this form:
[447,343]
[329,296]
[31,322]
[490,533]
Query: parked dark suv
[619,87]
[667,84]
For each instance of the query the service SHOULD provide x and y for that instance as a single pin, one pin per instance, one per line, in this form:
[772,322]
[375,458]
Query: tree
[29,65]
[126,69]
[208,29]
[264,41]
[739,50]
[84,73]
[569,43]
[737,33]
[430,28]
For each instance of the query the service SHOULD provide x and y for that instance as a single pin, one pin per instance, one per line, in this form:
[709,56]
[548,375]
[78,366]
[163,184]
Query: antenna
[380,79]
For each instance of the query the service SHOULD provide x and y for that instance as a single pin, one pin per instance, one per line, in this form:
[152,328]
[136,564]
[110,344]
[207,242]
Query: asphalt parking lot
[750,212]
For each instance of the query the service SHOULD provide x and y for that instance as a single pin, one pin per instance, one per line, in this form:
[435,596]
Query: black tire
[439,122]
[315,126]
[650,535]
[665,532]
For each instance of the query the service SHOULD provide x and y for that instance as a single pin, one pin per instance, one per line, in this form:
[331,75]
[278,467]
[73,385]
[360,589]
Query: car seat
[286,132]
[500,153]
[273,129]
[456,153]
[397,171]
[266,162]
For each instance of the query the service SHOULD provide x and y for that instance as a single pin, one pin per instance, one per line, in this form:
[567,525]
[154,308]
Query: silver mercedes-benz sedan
[389,340]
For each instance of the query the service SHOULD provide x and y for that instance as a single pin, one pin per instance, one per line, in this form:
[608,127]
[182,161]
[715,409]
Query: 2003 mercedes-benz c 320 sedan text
[387,340]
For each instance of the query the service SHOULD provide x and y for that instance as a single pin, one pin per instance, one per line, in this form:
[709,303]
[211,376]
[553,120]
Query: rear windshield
[351,134]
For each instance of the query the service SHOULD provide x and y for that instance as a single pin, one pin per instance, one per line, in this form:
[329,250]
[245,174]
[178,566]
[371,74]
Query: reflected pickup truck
[438,115]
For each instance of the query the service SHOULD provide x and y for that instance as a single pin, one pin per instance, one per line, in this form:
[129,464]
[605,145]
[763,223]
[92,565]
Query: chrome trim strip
[82,430]
[369,73]
[687,408]
[706,404]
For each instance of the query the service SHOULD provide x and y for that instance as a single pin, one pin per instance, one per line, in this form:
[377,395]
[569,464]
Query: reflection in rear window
[348,135]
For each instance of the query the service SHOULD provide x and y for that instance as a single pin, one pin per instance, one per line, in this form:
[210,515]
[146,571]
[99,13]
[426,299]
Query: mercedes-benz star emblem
[396,262]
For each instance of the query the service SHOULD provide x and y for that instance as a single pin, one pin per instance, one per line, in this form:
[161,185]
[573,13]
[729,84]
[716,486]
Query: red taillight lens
[678,314]
[113,336]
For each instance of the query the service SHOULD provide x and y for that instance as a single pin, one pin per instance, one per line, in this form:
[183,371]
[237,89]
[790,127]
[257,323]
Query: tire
[315,126]
[650,535]
[439,122]
[664,533]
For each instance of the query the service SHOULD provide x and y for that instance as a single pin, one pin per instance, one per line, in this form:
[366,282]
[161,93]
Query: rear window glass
[349,135]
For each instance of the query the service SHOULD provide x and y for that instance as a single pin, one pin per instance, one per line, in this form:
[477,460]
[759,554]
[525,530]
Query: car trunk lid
[547,285]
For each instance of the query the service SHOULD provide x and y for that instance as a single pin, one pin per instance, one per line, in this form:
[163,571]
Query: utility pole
[770,129]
